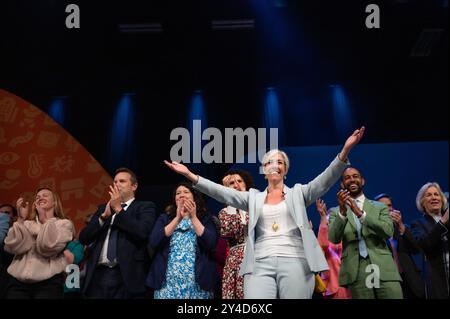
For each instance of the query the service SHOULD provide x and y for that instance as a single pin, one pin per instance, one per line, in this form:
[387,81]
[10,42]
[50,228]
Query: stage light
[343,117]
[56,109]
[122,133]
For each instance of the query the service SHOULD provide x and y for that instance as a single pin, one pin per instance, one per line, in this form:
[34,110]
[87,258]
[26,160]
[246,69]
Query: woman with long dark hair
[184,239]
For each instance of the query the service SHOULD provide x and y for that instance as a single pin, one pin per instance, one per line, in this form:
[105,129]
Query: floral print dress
[180,274]
[233,226]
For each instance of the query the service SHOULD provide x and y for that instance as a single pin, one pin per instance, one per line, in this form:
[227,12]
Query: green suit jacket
[376,229]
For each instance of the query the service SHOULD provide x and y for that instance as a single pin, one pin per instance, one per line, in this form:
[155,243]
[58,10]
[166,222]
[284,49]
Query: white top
[231,211]
[277,234]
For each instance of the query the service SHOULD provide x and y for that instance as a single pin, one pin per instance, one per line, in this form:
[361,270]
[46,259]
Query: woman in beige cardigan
[37,241]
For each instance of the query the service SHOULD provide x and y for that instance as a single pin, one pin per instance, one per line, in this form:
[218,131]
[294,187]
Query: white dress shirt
[103,260]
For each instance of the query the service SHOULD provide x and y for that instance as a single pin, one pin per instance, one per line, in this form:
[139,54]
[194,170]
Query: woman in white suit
[282,253]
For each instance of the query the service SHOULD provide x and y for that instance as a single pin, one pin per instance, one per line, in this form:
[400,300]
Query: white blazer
[297,199]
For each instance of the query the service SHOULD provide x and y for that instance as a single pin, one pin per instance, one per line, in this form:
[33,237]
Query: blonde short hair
[273,152]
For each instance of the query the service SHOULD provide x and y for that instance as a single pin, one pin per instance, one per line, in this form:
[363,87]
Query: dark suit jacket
[413,285]
[134,225]
[432,238]
[205,266]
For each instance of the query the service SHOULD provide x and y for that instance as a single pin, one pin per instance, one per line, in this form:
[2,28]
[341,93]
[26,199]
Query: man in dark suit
[117,238]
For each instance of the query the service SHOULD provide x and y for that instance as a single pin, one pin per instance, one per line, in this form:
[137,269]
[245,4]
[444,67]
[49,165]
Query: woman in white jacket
[282,253]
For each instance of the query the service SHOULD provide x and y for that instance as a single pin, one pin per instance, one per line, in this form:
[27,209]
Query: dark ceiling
[395,77]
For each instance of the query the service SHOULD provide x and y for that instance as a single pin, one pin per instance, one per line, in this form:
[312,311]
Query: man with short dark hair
[118,232]
[363,226]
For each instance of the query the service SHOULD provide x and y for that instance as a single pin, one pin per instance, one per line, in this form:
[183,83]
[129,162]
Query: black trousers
[51,288]
[107,283]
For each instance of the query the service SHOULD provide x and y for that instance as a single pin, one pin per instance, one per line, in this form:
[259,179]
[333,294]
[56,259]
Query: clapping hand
[116,198]
[344,199]
[321,207]
[190,208]
[396,217]
[444,218]
[22,209]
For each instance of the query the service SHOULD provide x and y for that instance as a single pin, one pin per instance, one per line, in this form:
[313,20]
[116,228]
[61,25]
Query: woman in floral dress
[184,239]
[233,226]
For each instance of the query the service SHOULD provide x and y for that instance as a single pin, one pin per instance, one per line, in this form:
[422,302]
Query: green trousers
[363,287]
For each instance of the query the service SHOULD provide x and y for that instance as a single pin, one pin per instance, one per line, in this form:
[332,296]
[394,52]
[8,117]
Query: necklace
[275,226]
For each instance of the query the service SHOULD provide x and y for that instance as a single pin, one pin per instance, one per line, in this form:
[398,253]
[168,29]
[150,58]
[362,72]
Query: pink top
[333,253]
[38,248]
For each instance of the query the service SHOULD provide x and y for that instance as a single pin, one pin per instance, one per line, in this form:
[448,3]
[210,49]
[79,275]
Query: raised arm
[322,236]
[92,231]
[225,195]
[322,183]
[183,170]
[351,141]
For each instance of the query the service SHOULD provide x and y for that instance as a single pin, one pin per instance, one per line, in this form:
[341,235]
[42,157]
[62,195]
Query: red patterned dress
[234,227]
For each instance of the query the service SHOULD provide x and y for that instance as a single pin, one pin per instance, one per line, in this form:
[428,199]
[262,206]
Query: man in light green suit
[363,226]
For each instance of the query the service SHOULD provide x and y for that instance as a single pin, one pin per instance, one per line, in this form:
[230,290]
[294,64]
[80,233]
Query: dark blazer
[134,225]
[413,285]
[432,238]
[205,266]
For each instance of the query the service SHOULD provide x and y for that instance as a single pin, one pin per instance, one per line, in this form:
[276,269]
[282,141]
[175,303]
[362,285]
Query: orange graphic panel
[36,152]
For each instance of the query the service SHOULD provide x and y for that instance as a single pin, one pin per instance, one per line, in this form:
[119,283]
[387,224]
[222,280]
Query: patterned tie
[112,243]
[362,244]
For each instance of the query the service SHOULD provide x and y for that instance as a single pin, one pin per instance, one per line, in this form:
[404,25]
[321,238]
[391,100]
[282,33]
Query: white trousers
[279,277]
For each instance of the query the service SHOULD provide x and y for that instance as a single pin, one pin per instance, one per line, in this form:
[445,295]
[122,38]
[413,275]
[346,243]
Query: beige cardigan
[37,248]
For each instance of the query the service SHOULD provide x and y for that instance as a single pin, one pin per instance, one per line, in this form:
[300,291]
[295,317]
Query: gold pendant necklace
[275,226]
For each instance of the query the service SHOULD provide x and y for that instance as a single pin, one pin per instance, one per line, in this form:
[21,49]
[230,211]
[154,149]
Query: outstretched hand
[351,141]
[182,169]
[354,138]
[177,167]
